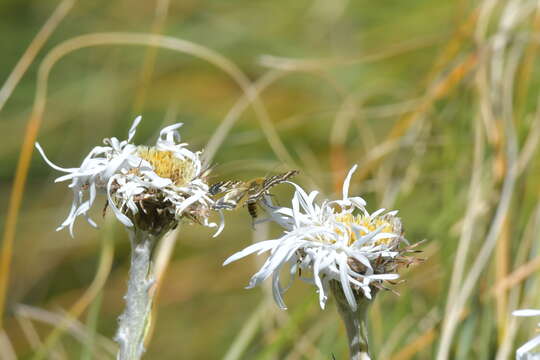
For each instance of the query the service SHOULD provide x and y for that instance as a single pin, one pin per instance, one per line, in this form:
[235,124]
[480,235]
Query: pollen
[386,223]
[166,165]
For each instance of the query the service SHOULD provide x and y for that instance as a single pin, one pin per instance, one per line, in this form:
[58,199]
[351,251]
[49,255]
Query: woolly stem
[136,316]
[355,322]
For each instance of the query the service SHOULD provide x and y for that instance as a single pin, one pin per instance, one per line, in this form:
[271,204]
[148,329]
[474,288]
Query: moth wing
[223,186]
[270,182]
[233,196]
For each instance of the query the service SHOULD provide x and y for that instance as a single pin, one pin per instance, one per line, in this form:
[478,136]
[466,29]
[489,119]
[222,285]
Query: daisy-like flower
[336,242]
[148,188]
[525,351]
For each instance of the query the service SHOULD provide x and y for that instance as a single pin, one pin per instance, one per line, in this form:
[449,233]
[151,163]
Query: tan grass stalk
[471,213]
[6,349]
[30,54]
[247,333]
[77,330]
[506,343]
[18,186]
[291,64]
[436,91]
[218,137]
[506,81]
[102,273]
[160,16]
[162,259]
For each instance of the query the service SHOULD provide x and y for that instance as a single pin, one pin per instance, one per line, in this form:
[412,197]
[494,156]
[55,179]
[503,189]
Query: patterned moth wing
[258,190]
[223,186]
[233,190]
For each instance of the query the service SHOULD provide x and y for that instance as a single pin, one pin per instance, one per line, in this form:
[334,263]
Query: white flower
[334,241]
[524,352]
[150,188]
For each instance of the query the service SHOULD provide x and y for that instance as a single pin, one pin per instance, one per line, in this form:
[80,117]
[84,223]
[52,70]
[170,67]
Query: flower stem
[355,323]
[136,316]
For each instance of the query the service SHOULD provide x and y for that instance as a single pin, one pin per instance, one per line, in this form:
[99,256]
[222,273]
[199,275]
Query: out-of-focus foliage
[424,95]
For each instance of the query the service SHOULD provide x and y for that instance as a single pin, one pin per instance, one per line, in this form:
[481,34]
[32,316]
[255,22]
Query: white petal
[121,217]
[383,276]
[187,202]
[347,182]
[318,282]
[344,279]
[257,247]
[364,260]
[277,291]
[527,347]
[358,202]
[221,224]
[133,128]
[368,237]
[526,312]
[50,163]
[296,208]
[279,256]
[305,200]
[377,213]
[156,180]
[384,236]
[168,134]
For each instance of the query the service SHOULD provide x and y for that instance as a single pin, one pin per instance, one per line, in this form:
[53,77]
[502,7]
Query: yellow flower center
[167,165]
[370,224]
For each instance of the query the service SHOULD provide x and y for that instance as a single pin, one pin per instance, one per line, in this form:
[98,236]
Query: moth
[246,193]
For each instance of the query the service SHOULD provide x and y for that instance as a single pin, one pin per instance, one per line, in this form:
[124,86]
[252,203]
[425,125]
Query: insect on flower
[246,193]
[338,242]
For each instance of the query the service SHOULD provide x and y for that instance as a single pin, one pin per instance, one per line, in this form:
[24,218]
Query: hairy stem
[355,323]
[136,316]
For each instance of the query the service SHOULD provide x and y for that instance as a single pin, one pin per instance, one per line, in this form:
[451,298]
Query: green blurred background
[424,95]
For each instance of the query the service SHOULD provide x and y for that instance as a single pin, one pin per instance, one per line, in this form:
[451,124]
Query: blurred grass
[408,90]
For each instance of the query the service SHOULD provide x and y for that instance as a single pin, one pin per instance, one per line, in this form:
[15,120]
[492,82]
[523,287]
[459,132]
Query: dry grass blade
[289,64]
[526,70]
[438,90]
[516,277]
[305,346]
[246,334]
[234,114]
[531,144]
[415,346]
[77,330]
[392,340]
[503,84]
[471,213]
[338,136]
[37,43]
[16,196]
[161,262]
[241,105]
[6,349]
[160,16]
[455,44]
[102,273]
[515,293]
[29,331]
